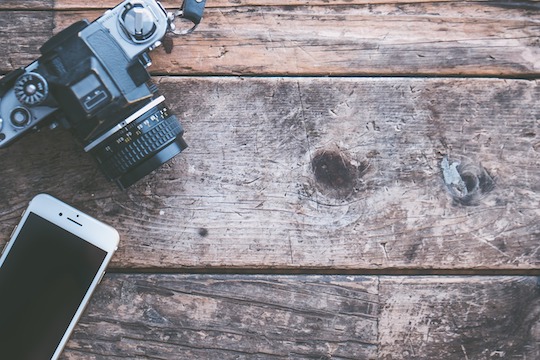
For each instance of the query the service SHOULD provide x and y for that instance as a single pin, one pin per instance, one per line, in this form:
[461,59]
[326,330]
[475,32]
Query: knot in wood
[467,182]
[335,172]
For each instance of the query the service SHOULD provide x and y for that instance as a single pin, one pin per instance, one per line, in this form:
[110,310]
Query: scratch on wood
[464,352]
[383,245]
[291,250]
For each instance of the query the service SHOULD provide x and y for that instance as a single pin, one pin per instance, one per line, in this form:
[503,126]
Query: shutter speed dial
[31,89]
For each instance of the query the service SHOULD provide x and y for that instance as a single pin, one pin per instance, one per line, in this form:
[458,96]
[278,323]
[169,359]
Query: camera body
[92,79]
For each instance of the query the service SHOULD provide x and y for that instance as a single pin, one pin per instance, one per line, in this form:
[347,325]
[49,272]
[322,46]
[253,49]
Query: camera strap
[191,10]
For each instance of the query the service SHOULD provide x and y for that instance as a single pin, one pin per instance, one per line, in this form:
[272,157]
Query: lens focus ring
[146,145]
[116,160]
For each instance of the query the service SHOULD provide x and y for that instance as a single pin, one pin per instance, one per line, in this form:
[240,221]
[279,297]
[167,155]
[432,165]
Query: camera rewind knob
[31,89]
[20,117]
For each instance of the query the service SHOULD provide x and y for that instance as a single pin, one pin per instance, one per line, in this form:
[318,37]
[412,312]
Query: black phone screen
[43,280]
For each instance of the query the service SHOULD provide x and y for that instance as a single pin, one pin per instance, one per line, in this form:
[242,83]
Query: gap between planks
[213,271]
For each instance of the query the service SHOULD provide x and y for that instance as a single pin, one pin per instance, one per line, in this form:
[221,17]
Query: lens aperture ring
[136,142]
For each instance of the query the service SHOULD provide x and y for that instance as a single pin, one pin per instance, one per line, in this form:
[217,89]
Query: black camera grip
[62,36]
[193,10]
[8,81]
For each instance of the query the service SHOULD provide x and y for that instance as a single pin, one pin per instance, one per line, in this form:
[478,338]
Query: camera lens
[138,145]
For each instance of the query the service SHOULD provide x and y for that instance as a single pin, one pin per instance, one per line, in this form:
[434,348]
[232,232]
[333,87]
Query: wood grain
[229,317]
[19,42]
[313,173]
[387,39]
[60,5]
[435,38]
[309,317]
[26,4]
[172,4]
[459,318]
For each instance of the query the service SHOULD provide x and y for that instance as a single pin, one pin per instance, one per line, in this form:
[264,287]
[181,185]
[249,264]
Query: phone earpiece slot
[70,219]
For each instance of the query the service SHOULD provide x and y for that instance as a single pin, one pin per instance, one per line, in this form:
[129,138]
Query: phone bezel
[83,226]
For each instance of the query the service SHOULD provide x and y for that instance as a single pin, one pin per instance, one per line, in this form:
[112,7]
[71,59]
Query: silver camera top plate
[138,25]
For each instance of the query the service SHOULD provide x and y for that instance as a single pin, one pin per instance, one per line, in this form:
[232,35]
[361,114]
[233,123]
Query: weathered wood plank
[309,317]
[60,5]
[424,39]
[19,40]
[26,4]
[76,4]
[459,318]
[171,4]
[229,317]
[316,173]
[391,39]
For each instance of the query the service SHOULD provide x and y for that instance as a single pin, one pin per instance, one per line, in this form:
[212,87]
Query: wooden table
[362,182]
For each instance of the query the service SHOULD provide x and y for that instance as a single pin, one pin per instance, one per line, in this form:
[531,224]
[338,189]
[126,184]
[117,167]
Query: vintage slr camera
[92,79]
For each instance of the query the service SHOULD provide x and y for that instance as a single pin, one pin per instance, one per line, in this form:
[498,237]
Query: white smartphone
[48,270]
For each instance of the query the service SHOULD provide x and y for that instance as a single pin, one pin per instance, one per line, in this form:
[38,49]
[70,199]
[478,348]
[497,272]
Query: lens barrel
[140,146]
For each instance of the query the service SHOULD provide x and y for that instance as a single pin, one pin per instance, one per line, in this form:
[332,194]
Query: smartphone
[52,263]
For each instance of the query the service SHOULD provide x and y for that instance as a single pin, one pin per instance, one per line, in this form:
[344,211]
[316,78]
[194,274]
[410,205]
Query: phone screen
[43,280]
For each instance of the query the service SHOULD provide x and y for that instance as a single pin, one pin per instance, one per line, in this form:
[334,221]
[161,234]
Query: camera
[92,78]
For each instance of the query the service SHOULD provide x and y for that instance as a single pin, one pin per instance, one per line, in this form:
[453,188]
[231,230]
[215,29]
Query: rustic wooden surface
[328,158]
[317,173]
[310,317]
[261,37]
